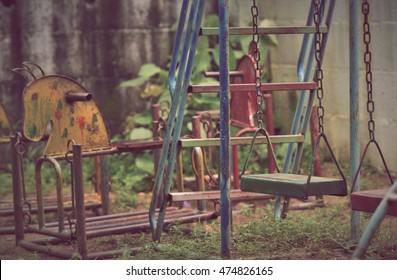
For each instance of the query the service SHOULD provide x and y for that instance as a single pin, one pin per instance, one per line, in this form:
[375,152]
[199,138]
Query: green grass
[321,233]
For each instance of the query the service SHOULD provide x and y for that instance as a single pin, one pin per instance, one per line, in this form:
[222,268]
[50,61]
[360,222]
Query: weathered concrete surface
[98,42]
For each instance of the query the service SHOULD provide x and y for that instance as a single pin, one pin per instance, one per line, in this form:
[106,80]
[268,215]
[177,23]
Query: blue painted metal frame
[224,126]
[354,9]
[178,88]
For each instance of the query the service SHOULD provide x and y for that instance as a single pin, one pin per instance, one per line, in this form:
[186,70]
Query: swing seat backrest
[48,110]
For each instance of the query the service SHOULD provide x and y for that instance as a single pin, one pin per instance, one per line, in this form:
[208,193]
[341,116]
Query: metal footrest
[369,200]
[92,201]
[293,185]
[210,195]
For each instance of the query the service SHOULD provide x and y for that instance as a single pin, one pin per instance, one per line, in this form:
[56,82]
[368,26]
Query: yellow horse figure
[68,110]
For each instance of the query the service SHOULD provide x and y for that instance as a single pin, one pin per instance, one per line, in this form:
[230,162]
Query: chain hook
[20,146]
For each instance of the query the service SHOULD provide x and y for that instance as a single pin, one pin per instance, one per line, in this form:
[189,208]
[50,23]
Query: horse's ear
[5,126]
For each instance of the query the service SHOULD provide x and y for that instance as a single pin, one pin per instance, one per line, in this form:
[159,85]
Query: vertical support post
[17,191]
[223,6]
[101,181]
[155,125]
[79,192]
[198,158]
[179,176]
[354,109]
[104,163]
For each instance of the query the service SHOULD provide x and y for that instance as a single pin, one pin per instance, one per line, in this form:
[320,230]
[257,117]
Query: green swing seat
[293,185]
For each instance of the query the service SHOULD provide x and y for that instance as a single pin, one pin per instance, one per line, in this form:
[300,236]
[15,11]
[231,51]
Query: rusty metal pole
[17,191]
[198,157]
[78,182]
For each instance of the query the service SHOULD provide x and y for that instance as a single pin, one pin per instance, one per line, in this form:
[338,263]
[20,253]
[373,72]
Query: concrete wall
[98,42]
[383,20]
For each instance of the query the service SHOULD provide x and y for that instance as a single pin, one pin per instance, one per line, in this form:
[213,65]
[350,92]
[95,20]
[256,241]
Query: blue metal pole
[224,126]
[175,118]
[354,110]
[176,48]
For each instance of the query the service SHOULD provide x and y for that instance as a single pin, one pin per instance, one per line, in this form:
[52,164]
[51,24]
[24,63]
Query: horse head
[63,109]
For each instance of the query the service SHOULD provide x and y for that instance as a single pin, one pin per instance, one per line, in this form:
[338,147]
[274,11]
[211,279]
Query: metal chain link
[319,71]
[258,70]
[368,75]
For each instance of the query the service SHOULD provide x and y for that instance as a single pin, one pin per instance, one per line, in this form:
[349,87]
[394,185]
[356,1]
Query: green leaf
[203,60]
[145,164]
[238,54]
[270,40]
[149,70]
[215,54]
[212,21]
[232,60]
[134,82]
[142,119]
[140,133]
[245,42]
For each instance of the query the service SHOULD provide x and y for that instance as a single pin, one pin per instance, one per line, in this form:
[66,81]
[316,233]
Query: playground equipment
[180,86]
[77,130]
[294,185]
[383,201]
[29,203]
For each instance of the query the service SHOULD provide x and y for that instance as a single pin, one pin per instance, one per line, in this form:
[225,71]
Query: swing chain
[319,71]
[257,58]
[368,75]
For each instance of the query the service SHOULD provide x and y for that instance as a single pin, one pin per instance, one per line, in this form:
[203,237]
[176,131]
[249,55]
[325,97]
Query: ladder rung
[252,87]
[215,74]
[207,31]
[209,195]
[236,141]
